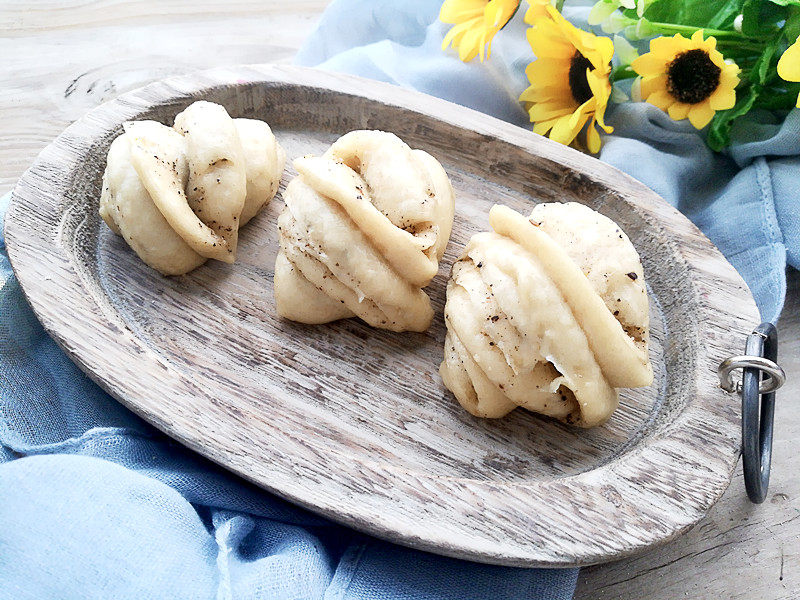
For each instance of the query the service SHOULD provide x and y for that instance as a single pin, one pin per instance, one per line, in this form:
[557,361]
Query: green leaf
[697,13]
[766,64]
[719,133]
[726,15]
[760,18]
[779,98]
[791,30]
[785,2]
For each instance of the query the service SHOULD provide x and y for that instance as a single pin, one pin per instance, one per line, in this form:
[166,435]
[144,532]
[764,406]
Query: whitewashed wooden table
[62,58]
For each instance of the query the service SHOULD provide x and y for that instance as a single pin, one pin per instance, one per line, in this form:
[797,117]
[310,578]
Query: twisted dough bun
[364,228]
[179,195]
[549,313]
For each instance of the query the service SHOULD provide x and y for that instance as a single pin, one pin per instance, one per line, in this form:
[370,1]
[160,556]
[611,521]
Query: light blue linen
[746,202]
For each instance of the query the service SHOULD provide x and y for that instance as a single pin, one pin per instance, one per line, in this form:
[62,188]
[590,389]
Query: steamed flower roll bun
[548,312]
[362,233]
[178,195]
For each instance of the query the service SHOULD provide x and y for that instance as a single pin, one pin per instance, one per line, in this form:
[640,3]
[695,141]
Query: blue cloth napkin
[94,503]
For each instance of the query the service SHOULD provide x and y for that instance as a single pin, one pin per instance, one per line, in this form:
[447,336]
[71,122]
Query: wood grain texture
[353,422]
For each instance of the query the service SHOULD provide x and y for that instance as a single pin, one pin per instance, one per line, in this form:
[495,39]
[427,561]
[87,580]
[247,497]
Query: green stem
[718,33]
[559,5]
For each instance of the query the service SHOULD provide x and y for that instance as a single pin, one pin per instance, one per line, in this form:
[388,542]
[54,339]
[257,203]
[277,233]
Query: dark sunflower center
[692,76]
[578,84]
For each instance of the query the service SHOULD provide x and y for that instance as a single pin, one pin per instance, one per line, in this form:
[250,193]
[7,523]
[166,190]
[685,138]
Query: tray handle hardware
[761,377]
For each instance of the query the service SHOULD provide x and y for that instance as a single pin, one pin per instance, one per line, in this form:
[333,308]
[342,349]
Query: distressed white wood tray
[353,422]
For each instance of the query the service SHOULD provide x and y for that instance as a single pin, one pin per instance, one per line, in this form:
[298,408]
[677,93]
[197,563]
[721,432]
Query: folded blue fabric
[743,201]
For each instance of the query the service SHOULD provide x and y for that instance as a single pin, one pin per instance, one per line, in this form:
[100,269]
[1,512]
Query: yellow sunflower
[475,23]
[687,78]
[569,79]
[789,65]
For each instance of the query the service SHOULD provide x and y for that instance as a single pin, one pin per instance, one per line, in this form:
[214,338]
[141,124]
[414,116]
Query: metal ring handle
[761,376]
[776,376]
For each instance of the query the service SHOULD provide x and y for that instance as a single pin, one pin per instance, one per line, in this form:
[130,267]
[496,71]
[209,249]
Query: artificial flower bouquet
[709,61]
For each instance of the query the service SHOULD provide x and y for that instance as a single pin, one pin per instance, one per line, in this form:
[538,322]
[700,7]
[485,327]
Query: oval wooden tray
[352,422]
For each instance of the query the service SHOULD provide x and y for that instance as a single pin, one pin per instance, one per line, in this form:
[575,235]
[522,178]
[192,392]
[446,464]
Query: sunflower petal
[593,139]
[718,59]
[470,44]
[679,111]
[547,44]
[498,12]
[554,90]
[545,112]
[729,78]
[650,85]
[564,130]
[600,87]
[546,70]
[650,64]
[455,32]
[662,99]
[668,47]
[476,22]
[544,126]
[605,46]
[701,114]
[600,90]
[580,115]
[723,98]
